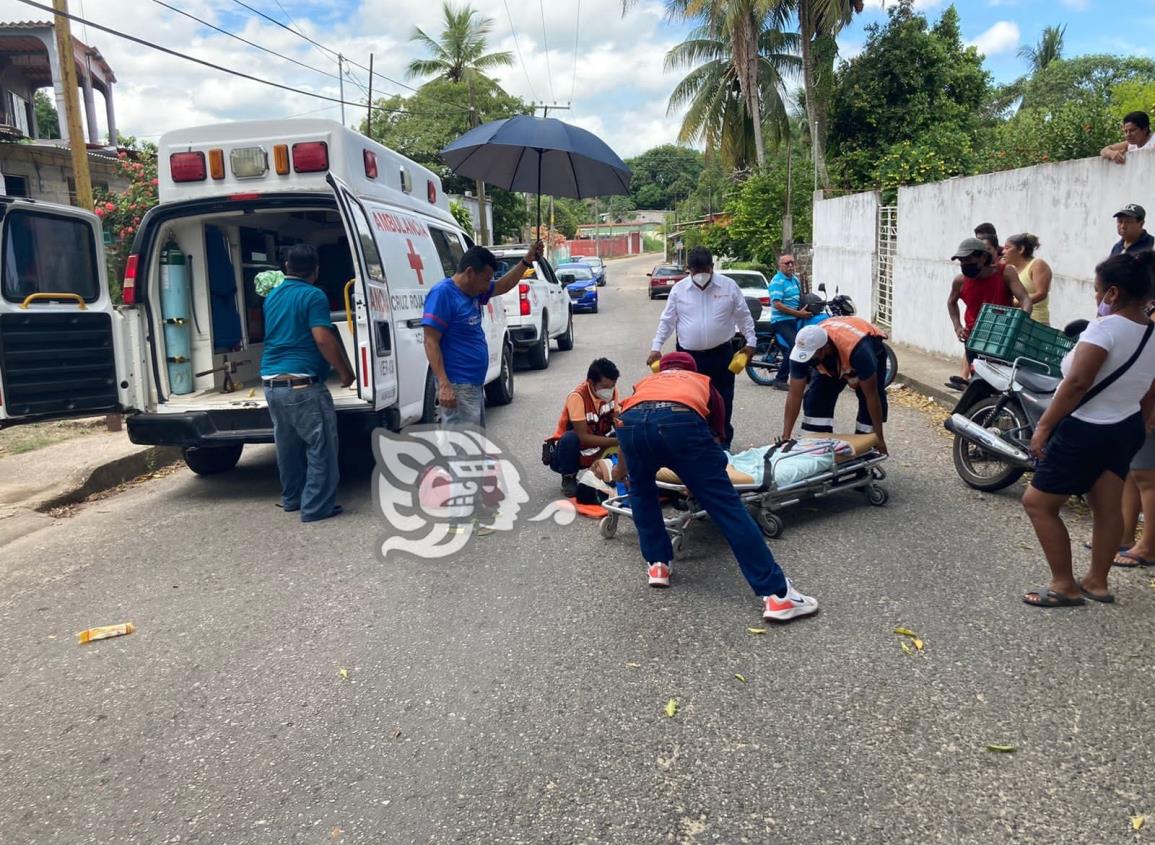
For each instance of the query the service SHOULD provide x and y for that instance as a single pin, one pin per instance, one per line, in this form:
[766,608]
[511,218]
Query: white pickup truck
[538,309]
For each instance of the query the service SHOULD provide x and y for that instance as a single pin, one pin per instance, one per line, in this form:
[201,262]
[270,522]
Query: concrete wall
[844,235]
[1068,205]
[47,171]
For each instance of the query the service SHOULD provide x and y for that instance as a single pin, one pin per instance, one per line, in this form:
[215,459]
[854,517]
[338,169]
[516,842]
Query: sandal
[1087,546]
[959,381]
[1131,560]
[1102,598]
[1046,597]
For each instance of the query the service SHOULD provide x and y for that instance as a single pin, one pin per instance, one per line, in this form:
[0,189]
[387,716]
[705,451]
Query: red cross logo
[415,262]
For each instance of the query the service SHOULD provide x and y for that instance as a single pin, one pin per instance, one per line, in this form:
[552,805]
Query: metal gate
[885,249]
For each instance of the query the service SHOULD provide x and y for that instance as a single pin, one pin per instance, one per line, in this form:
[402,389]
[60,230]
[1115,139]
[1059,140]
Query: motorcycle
[994,421]
[763,366]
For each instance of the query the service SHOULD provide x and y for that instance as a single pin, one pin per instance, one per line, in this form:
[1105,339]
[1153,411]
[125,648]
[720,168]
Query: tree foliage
[914,90]
[460,54]
[47,120]
[758,205]
[664,174]
[1088,78]
[121,211]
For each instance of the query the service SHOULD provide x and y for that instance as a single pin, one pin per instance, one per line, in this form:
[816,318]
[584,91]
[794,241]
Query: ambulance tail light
[129,286]
[187,167]
[281,159]
[311,157]
[217,164]
[431,191]
[249,162]
[523,298]
[370,159]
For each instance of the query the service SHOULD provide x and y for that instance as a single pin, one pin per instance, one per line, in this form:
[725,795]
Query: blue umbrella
[539,155]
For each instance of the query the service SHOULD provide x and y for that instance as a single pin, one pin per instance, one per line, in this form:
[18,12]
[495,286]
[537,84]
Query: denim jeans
[567,454]
[715,363]
[680,440]
[785,331]
[470,408]
[305,431]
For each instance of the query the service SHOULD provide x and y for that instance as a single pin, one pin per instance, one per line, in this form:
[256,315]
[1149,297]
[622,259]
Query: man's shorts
[1079,452]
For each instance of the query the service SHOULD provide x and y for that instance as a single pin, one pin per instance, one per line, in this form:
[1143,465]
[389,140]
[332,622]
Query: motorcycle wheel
[891,365]
[978,467]
[766,353]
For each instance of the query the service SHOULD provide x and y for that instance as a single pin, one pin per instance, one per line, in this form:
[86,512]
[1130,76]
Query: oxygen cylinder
[175,311]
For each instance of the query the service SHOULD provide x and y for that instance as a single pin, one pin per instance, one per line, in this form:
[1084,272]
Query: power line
[214,66]
[576,39]
[545,41]
[292,22]
[246,41]
[517,46]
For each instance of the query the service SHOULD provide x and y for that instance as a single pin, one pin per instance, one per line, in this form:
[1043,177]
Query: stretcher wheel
[877,473]
[609,526]
[678,543]
[877,495]
[770,523]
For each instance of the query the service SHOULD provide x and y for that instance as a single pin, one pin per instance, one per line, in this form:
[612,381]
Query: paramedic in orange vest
[586,426]
[844,351]
[664,424]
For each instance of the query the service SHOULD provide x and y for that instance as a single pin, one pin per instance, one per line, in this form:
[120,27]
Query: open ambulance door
[63,345]
[367,306]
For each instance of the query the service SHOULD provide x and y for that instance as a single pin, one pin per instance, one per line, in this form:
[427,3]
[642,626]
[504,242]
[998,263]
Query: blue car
[596,265]
[582,286]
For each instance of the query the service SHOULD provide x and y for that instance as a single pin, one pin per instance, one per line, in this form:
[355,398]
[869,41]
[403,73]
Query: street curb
[109,475]
[946,398]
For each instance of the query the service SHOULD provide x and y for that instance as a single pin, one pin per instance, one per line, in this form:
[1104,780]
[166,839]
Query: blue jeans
[785,331]
[567,454]
[470,408]
[680,440]
[305,431]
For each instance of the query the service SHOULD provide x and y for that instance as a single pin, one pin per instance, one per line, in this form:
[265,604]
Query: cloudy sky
[608,66]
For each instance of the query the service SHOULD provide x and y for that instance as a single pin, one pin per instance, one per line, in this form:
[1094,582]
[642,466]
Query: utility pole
[597,230]
[76,142]
[369,107]
[341,81]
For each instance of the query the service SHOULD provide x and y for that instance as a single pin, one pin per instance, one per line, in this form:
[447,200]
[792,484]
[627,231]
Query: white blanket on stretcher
[806,459]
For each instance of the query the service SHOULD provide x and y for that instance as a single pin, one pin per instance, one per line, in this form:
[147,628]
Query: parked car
[582,286]
[537,310]
[754,287]
[599,268]
[663,277]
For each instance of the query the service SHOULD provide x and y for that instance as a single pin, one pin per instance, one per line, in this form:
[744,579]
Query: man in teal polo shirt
[300,347]
[454,338]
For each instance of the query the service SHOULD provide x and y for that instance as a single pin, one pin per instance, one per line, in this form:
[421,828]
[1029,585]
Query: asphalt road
[517,694]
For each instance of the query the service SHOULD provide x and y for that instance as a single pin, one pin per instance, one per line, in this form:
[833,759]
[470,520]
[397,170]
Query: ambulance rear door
[367,306]
[62,342]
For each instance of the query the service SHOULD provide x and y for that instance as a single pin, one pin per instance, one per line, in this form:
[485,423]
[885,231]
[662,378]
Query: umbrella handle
[539,158]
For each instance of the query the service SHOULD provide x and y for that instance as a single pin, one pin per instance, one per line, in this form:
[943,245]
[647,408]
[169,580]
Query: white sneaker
[659,574]
[790,606]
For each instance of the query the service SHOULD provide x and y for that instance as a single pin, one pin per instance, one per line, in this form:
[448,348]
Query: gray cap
[1131,210]
[968,248]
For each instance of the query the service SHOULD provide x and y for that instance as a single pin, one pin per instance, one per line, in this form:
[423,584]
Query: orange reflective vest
[681,386]
[846,333]
[599,416]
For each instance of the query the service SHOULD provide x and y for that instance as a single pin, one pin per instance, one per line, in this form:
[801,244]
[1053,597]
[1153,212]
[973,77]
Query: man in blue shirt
[454,338]
[300,347]
[786,314]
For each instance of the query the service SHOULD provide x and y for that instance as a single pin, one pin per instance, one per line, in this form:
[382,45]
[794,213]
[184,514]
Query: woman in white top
[1085,448]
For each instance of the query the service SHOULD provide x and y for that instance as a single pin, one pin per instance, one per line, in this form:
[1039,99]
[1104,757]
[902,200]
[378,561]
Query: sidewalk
[927,373]
[32,483]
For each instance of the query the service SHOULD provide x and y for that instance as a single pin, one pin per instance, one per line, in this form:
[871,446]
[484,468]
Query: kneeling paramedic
[664,424]
[844,351]
[585,428]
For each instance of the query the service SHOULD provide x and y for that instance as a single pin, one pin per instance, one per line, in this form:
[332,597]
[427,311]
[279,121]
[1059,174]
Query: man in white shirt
[1137,134]
[704,311]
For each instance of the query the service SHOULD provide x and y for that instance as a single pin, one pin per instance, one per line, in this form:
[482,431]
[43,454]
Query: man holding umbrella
[454,338]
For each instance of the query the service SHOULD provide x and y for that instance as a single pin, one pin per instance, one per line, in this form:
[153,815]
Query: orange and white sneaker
[787,607]
[659,574]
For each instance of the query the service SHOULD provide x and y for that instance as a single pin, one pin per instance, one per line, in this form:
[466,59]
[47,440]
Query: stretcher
[858,467]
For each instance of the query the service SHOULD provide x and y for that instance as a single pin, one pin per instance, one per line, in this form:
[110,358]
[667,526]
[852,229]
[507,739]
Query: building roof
[16,37]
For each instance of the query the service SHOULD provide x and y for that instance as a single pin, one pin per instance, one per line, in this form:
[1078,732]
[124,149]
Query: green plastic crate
[1007,333]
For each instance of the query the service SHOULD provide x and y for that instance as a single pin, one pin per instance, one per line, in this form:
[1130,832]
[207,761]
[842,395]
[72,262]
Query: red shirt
[976,293]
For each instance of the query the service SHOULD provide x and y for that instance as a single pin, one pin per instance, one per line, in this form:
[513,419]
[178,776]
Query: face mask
[701,279]
[606,393]
[971,271]
[1104,309]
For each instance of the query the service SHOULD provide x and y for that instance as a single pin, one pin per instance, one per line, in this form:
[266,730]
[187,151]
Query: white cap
[810,339]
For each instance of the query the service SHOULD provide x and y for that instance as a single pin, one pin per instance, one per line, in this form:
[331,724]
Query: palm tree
[1048,49]
[460,56]
[720,109]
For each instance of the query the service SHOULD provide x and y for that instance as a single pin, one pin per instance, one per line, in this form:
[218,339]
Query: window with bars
[885,248]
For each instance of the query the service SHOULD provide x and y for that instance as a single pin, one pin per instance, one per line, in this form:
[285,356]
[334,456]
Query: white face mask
[606,393]
[701,279]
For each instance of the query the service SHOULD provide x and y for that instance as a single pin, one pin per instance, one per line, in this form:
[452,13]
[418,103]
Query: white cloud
[1002,37]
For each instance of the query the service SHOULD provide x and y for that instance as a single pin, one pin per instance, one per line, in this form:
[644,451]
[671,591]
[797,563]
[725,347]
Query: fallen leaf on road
[905,648]
[397,734]
[1002,749]
[918,643]
[633,665]
[335,833]
[344,673]
[755,630]
[1137,822]
[906,632]
[741,678]
[671,707]
[1152,584]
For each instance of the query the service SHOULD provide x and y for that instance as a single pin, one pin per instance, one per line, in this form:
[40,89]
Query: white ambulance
[183,354]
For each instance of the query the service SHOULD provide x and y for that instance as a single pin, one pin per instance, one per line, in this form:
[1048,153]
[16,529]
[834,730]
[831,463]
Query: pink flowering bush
[122,211]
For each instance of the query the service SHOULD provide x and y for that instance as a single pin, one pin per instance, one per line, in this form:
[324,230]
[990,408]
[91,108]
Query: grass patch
[28,438]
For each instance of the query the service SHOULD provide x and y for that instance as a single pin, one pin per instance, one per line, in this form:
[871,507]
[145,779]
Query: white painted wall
[1068,205]
[844,235]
